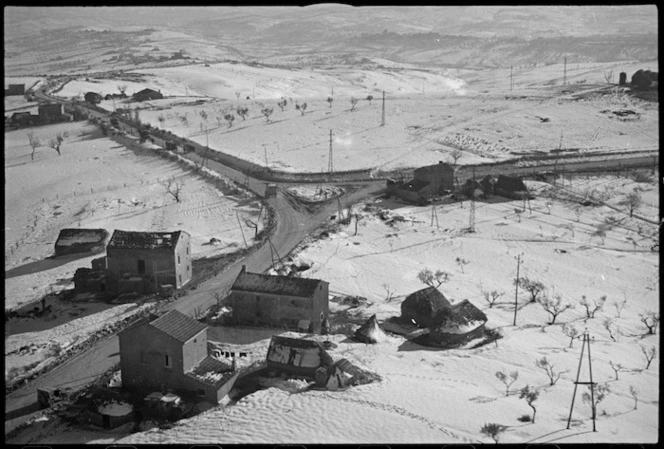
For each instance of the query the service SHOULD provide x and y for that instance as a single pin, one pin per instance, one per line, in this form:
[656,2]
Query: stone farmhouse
[280,301]
[170,353]
[143,261]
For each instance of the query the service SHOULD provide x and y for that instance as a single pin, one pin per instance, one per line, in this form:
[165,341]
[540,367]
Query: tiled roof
[178,325]
[211,371]
[143,240]
[278,285]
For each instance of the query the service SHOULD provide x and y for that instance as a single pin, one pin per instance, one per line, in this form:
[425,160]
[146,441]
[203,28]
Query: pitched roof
[143,240]
[278,285]
[460,314]
[431,295]
[510,183]
[178,325]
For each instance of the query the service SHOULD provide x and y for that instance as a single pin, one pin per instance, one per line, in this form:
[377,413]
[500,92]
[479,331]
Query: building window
[178,259]
[141,267]
[168,361]
[188,267]
[187,250]
[180,278]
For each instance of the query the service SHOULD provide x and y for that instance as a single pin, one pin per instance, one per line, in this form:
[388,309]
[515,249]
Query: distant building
[280,301]
[119,96]
[170,353]
[427,182]
[15,89]
[147,94]
[92,97]
[143,261]
[50,112]
[511,187]
[22,119]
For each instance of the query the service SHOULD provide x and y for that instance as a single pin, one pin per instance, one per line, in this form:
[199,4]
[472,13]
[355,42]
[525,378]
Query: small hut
[421,307]
[511,187]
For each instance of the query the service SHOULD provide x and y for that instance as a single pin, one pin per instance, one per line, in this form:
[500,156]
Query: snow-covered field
[96,183]
[381,263]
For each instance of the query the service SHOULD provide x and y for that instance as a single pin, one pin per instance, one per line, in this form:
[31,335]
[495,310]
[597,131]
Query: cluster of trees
[54,142]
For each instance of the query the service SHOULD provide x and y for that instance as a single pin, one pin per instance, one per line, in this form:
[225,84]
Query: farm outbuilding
[280,301]
[173,355]
[80,240]
[297,356]
[51,112]
[147,260]
[92,97]
[422,306]
[15,89]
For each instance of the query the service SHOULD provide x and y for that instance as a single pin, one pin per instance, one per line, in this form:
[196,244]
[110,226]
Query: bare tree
[267,112]
[600,231]
[535,288]
[616,368]
[282,104]
[632,201]
[162,120]
[353,103]
[173,188]
[242,112]
[649,354]
[530,395]
[237,95]
[611,328]
[554,306]
[651,321]
[507,380]
[461,262]
[620,305]
[608,77]
[122,88]
[330,100]
[634,392]
[369,98]
[388,292]
[455,155]
[493,431]
[599,393]
[428,277]
[56,142]
[35,142]
[301,107]
[229,118]
[572,332]
[548,368]
[492,297]
[592,309]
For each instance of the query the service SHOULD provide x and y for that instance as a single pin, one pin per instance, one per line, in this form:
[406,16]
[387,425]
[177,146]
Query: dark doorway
[141,267]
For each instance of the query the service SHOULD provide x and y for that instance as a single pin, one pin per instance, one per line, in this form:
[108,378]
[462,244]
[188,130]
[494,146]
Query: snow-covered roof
[278,285]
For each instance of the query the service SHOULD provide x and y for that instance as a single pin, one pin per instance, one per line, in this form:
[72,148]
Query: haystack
[370,332]
[421,307]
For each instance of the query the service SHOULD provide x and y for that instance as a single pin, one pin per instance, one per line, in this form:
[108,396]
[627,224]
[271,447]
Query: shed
[511,187]
[456,325]
[92,97]
[420,307]
[147,94]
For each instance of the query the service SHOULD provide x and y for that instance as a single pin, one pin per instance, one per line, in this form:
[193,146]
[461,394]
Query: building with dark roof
[280,301]
[15,89]
[170,353]
[421,306]
[296,356]
[455,325]
[147,94]
[144,261]
[428,182]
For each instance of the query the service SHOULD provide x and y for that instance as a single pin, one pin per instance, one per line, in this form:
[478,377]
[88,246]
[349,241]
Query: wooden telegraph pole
[382,120]
[516,285]
[330,164]
[586,341]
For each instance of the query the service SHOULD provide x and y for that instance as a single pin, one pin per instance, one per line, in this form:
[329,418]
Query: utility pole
[241,230]
[586,341]
[565,71]
[516,285]
[471,220]
[434,213]
[265,151]
[330,163]
[511,79]
[382,120]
